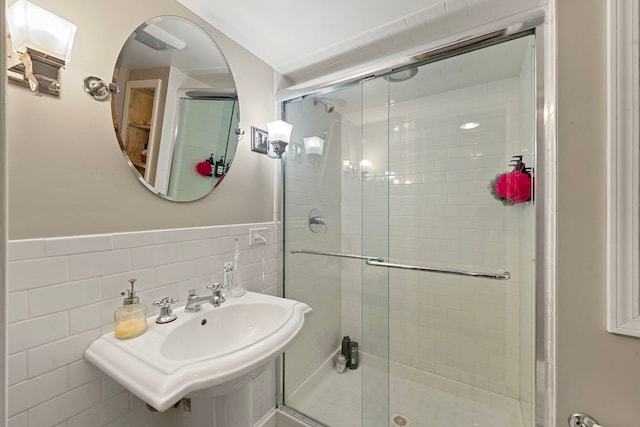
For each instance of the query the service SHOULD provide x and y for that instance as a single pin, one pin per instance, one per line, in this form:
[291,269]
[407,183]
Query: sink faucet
[194,301]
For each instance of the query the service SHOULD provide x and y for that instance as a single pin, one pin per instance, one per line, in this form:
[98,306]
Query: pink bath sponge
[204,169]
[514,186]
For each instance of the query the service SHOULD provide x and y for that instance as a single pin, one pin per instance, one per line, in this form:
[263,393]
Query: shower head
[328,107]
[401,76]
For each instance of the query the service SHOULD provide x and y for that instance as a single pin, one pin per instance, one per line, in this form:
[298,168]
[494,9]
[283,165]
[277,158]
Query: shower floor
[334,399]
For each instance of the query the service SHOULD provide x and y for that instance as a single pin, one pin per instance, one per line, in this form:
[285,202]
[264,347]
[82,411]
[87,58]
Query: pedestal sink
[213,351]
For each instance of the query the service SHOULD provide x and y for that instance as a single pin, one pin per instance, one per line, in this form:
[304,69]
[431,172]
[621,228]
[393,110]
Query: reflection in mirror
[177,112]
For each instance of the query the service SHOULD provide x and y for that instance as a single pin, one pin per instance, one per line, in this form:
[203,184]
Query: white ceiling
[311,39]
[291,34]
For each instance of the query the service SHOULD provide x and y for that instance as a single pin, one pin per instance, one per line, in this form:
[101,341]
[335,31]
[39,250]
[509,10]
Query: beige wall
[598,372]
[67,174]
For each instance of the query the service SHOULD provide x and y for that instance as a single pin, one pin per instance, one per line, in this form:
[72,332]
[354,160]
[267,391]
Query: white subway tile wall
[62,295]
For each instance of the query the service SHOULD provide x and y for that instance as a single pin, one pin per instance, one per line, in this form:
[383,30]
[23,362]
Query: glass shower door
[408,174]
[460,346]
[329,185]
[373,166]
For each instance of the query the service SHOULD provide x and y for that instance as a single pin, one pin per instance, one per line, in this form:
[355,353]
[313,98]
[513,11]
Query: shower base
[425,400]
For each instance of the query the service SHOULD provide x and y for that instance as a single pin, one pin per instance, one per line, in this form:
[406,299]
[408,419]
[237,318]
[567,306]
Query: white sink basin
[224,330]
[215,348]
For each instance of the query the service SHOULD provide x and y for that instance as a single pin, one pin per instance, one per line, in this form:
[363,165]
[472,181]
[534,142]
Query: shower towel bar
[494,276]
[335,254]
[379,262]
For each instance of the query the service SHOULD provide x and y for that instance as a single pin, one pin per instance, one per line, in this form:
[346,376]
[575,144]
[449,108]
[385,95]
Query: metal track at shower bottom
[300,417]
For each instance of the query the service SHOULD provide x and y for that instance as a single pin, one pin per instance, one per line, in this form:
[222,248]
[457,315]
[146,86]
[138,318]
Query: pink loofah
[514,186]
[204,169]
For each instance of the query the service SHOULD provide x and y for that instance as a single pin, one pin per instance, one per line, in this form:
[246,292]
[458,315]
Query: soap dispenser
[131,318]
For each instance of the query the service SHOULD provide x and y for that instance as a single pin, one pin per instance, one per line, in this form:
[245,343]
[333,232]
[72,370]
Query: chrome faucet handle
[215,287]
[166,314]
[165,302]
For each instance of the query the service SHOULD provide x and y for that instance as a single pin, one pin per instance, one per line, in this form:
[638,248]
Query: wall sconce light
[313,148]
[313,145]
[43,43]
[279,135]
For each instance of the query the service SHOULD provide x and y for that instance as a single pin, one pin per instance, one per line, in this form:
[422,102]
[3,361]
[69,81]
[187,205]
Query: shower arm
[379,262]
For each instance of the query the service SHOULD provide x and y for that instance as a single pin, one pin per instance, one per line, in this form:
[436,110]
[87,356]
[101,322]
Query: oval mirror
[177,113]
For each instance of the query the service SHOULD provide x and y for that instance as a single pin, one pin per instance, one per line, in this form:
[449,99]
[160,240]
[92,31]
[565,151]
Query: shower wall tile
[53,318]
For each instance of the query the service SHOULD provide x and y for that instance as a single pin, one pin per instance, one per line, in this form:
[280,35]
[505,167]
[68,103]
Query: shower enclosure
[396,235]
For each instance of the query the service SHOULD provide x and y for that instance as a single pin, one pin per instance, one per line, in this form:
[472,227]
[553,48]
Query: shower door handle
[494,276]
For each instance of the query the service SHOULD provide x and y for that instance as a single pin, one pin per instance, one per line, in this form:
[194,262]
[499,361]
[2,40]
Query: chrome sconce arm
[272,142]
[276,149]
[98,89]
